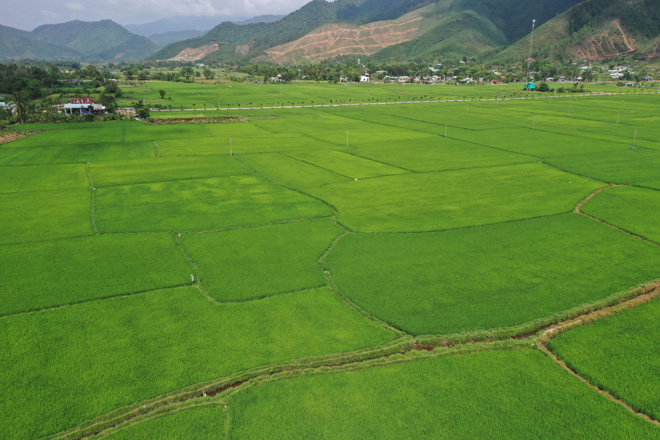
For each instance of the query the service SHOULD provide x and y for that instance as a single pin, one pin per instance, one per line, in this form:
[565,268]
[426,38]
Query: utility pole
[531,45]
[231,147]
[634,138]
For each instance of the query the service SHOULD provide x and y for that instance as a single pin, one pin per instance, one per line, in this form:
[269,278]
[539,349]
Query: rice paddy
[317,272]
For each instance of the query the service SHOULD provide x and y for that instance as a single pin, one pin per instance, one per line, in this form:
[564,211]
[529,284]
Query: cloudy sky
[28,14]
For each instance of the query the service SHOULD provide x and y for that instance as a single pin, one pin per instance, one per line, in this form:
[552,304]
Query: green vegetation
[290,172]
[162,169]
[439,154]
[346,164]
[454,199]
[635,167]
[619,354]
[44,215]
[256,262]
[202,422]
[60,272]
[493,276]
[68,365]
[151,270]
[201,205]
[42,177]
[508,395]
[632,209]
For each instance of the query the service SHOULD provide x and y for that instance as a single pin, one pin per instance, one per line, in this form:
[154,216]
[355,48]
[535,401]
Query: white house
[364,78]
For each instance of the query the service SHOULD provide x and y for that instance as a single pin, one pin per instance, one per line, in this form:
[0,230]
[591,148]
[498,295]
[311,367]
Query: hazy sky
[28,14]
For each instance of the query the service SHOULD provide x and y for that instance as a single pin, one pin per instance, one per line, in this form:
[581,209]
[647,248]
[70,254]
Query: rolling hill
[384,29]
[16,44]
[102,40]
[596,30]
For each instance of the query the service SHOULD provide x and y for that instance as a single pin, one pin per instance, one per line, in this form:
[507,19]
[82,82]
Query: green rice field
[399,271]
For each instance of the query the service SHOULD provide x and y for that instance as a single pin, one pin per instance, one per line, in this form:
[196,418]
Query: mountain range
[381,30]
[75,40]
[429,30]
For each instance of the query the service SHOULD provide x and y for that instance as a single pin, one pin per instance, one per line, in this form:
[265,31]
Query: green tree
[111,87]
[208,73]
[20,98]
[130,75]
[143,75]
[162,93]
[187,72]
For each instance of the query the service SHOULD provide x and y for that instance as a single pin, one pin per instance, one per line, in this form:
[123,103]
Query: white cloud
[75,6]
[135,11]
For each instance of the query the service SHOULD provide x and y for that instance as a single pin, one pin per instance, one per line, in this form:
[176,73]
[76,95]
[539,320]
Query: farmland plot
[257,262]
[68,365]
[65,154]
[619,354]
[636,167]
[201,205]
[488,277]
[483,395]
[144,266]
[632,209]
[44,215]
[60,272]
[454,199]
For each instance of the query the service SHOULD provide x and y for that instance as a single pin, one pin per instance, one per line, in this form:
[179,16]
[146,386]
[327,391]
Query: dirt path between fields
[578,210]
[648,293]
[10,136]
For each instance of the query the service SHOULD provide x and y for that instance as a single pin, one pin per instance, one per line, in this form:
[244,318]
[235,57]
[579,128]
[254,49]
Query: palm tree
[21,100]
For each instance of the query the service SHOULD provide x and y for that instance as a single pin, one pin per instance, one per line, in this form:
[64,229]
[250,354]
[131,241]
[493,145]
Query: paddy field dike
[447,270]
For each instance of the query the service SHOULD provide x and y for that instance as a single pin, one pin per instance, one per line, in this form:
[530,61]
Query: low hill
[235,42]
[323,29]
[101,40]
[595,30]
[16,44]
[338,39]
[458,35]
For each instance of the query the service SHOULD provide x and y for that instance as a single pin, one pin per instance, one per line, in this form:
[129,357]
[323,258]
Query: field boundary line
[578,210]
[402,349]
[459,228]
[532,330]
[335,289]
[647,293]
[596,388]
[532,160]
[91,300]
[185,179]
[272,182]
[217,387]
[578,207]
[503,150]
[196,282]
[47,240]
[93,200]
[358,104]
[604,182]
[407,171]
[402,357]
[239,228]
[32,191]
[315,165]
